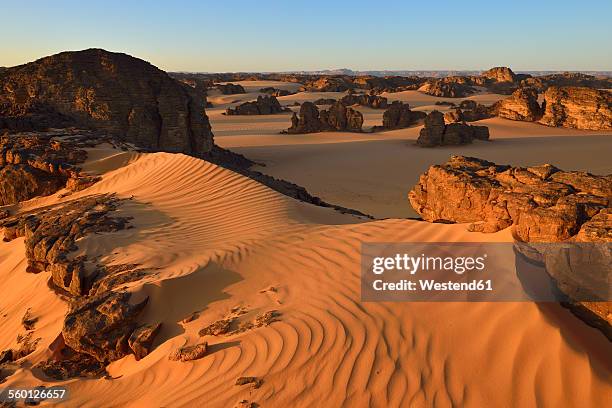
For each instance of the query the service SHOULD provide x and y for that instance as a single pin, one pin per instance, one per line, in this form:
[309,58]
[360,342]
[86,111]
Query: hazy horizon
[190,36]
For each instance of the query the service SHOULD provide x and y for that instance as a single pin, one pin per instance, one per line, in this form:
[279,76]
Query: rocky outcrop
[542,203]
[39,164]
[522,105]
[580,108]
[102,323]
[469,111]
[337,118]
[325,101]
[371,101]
[122,95]
[264,105]
[328,84]
[398,115]
[446,89]
[499,74]
[276,92]
[437,133]
[541,83]
[231,89]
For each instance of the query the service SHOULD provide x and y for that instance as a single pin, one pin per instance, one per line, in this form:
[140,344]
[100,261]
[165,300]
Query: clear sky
[235,35]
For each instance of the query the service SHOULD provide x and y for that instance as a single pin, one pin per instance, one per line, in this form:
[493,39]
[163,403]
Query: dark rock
[276,92]
[580,108]
[101,325]
[446,89]
[371,101]
[436,133]
[398,115]
[231,89]
[337,118]
[265,105]
[325,101]
[257,382]
[122,95]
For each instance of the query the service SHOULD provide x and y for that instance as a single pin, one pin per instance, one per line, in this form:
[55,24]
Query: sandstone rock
[51,234]
[436,133]
[522,105]
[371,101]
[328,84]
[276,92]
[189,353]
[499,74]
[101,325]
[445,89]
[580,108]
[325,101]
[398,115]
[256,382]
[469,111]
[142,338]
[231,89]
[543,203]
[38,164]
[337,118]
[114,92]
[541,83]
[264,105]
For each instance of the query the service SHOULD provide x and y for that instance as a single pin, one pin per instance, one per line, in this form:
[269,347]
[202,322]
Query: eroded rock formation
[371,101]
[264,105]
[437,133]
[447,89]
[231,89]
[122,95]
[543,203]
[276,92]
[522,105]
[398,115]
[337,118]
[469,111]
[38,164]
[580,108]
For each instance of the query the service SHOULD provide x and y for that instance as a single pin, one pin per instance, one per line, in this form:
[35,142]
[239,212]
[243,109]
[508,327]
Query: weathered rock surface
[398,115]
[189,353]
[101,325]
[541,83]
[264,105]
[499,74]
[231,89]
[469,111]
[141,340]
[325,101]
[39,164]
[122,95]
[542,203]
[276,92]
[337,118]
[446,89]
[437,133]
[51,234]
[371,101]
[522,105]
[580,108]
[328,84]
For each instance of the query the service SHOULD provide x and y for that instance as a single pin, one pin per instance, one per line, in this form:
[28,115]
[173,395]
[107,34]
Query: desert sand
[216,240]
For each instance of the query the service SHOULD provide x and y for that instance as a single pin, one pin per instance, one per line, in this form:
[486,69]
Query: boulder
[122,95]
[371,101]
[275,92]
[437,133]
[398,115]
[446,89]
[231,89]
[264,105]
[522,105]
[576,107]
[337,118]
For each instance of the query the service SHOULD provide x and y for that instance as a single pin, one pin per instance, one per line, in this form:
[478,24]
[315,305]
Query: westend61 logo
[450,272]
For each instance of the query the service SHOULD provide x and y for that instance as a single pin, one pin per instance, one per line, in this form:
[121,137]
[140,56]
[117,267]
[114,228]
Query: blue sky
[302,35]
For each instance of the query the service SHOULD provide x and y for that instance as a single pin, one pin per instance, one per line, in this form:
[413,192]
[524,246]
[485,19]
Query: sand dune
[220,241]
